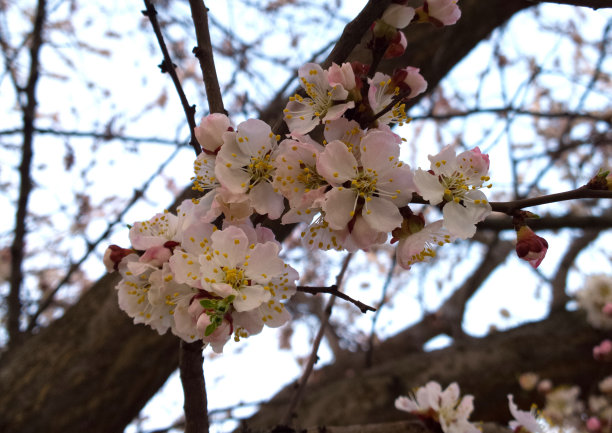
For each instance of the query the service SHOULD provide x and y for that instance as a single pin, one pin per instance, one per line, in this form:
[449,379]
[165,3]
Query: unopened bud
[530,247]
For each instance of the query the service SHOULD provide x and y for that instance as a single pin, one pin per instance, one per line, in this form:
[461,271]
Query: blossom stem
[194,388]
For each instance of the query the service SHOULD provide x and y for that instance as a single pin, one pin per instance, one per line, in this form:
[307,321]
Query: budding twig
[333,290]
[168,66]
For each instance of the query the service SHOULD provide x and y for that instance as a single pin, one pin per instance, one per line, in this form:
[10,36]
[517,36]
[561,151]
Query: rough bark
[345,393]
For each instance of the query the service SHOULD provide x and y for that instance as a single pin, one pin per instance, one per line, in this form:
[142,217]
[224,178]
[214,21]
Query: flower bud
[210,131]
[113,256]
[398,16]
[530,247]
[603,352]
[439,12]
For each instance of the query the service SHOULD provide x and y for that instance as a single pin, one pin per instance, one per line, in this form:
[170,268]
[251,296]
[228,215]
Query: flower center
[260,169]
[364,184]
[310,178]
[234,277]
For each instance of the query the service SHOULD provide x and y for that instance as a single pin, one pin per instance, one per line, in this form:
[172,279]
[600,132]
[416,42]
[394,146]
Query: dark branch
[333,290]
[168,66]
[509,207]
[194,388]
[29,115]
[301,385]
[204,53]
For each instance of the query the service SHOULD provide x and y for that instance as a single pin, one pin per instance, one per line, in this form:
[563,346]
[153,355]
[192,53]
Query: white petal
[336,163]
[339,207]
[428,186]
[381,214]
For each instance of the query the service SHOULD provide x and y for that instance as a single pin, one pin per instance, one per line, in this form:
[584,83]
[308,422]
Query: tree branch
[194,388]
[168,66]
[333,290]
[301,385]
[29,116]
[509,207]
[204,54]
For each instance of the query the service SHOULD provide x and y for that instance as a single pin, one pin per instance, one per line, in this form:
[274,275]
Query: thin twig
[168,66]
[204,54]
[106,136]
[383,296]
[194,388]
[333,290]
[29,116]
[301,385]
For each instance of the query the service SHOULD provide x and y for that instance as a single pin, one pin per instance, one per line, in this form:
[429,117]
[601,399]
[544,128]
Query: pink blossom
[530,247]
[523,419]
[113,256]
[409,78]
[398,16]
[341,75]
[603,351]
[439,12]
[156,256]
[593,424]
[210,131]
[607,309]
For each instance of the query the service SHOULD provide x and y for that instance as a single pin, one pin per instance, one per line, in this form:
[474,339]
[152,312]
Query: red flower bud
[530,247]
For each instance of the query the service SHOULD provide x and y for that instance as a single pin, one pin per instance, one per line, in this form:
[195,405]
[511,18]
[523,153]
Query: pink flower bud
[593,424]
[603,352]
[342,75]
[607,309]
[156,256]
[398,16]
[409,78]
[113,256]
[210,131]
[439,12]
[397,46]
[528,381]
[530,247]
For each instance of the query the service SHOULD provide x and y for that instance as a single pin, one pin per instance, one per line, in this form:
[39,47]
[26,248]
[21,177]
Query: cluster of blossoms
[447,411]
[349,189]
[446,408]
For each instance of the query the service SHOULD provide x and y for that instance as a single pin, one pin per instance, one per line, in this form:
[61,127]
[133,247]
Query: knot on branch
[165,65]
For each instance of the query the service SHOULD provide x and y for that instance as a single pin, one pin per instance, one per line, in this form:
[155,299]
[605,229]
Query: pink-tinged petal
[381,214]
[231,176]
[299,117]
[342,75]
[254,137]
[186,268]
[156,256]
[339,207]
[223,289]
[196,237]
[250,297]
[274,314]
[415,81]
[314,74]
[398,16]
[365,236]
[461,220]
[428,186]
[231,152]
[336,163]
[250,321]
[380,150]
[210,131]
[264,263]
[335,111]
[266,201]
[230,246]
[444,162]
